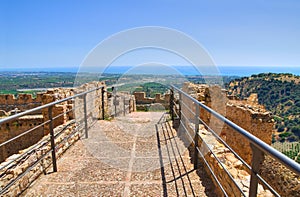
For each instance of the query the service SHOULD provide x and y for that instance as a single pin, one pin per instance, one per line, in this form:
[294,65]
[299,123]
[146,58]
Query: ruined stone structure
[68,126]
[9,103]
[251,116]
[19,166]
[145,103]
[16,127]
[246,113]
[142,99]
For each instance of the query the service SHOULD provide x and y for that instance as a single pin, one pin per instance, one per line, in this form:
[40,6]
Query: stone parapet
[18,166]
[237,176]
[23,102]
[253,117]
[13,128]
[60,114]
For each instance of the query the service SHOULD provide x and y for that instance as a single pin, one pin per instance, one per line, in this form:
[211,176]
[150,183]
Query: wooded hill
[280,94]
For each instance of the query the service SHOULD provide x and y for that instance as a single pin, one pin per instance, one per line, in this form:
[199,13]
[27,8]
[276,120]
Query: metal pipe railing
[82,124]
[53,135]
[259,148]
[30,111]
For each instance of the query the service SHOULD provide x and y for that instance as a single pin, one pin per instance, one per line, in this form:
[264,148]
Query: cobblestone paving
[136,155]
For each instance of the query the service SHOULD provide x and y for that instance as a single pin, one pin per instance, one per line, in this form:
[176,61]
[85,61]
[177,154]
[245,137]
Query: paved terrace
[136,155]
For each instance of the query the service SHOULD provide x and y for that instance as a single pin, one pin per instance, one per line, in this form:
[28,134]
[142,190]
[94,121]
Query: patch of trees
[278,95]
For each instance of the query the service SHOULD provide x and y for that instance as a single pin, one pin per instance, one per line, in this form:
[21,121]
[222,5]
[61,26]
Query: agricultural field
[290,149]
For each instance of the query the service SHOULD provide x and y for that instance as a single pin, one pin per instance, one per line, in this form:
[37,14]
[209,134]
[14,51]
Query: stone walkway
[136,155]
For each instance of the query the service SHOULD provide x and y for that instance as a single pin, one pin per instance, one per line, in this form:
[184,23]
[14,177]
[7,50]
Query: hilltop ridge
[280,94]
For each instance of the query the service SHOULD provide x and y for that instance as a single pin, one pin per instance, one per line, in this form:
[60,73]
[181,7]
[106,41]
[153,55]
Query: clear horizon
[185,70]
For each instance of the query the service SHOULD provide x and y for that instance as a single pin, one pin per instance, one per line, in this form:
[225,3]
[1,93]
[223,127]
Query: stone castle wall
[249,115]
[16,127]
[234,167]
[23,102]
[259,124]
[65,125]
[253,118]
[141,98]
[159,102]
[19,166]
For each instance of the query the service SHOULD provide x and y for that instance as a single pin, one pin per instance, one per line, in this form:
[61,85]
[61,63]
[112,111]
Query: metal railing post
[179,105]
[85,117]
[102,102]
[124,107]
[115,100]
[52,139]
[129,106]
[257,159]
[196,137]
[172,104]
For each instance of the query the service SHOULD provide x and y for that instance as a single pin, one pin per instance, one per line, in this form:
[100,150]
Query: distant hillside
[280,94]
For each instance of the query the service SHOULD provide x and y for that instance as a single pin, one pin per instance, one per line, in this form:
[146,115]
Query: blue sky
[60,33]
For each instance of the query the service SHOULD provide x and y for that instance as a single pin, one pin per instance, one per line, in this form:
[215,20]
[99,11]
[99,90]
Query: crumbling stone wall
[52,95]
[255,119]
[286,182]
[18,166]
[94,102]
[259,124]
[234,167]
[23,102]
[66,124]
[141,98]
[145,103]
[14,128]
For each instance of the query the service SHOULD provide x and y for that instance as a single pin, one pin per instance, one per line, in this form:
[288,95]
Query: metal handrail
[267,149]
[15,116]
[258,147]
[84,126]
[52,136]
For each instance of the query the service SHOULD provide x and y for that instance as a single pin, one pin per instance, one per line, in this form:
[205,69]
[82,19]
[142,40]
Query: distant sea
[185,70]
